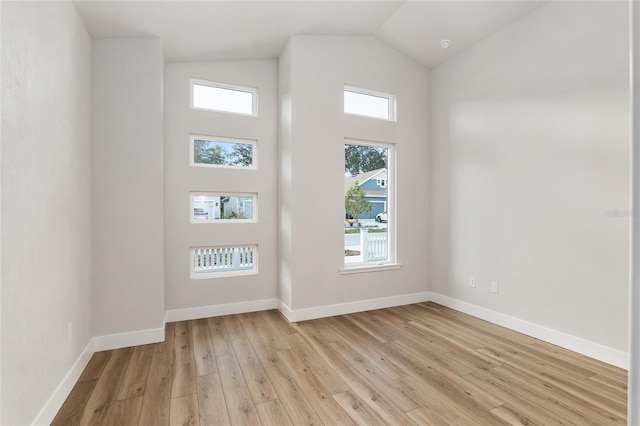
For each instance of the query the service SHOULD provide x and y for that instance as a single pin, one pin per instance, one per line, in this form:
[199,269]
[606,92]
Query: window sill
[369,268]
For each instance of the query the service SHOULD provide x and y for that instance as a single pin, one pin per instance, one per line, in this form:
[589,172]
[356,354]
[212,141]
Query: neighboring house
[212,207]
[374,185]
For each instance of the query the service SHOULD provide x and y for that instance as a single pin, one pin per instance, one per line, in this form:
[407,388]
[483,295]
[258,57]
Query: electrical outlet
[494,287]
[69,331]
[472,282]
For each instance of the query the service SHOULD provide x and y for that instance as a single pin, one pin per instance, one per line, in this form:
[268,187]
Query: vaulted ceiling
[215,30]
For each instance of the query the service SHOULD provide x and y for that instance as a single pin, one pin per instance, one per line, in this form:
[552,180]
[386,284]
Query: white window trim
[391,98]
[253,143]
[209,275]
[374,267]
[223,194]
[391,262]
[227,86]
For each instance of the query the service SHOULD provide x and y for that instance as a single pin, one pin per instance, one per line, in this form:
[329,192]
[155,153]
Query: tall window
[368,203]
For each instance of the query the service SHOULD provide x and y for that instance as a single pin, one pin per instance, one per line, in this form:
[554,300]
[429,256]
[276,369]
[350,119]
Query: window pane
[223,99]
[211,262]
[221,153]
[366,182]
[367,105]
[220,207]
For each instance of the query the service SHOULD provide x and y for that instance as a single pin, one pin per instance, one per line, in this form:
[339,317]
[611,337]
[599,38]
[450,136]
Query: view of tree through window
[366,186]
[222,153]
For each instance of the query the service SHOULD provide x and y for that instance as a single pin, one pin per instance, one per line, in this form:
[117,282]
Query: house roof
[362,178]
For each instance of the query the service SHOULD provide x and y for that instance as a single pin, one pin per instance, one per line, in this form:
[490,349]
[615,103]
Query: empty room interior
[315,212]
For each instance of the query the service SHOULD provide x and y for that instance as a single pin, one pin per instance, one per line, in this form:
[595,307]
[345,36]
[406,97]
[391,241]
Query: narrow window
[214,262]
[212,207]
[212,151]
[222,97]
[369,103]
[368,203]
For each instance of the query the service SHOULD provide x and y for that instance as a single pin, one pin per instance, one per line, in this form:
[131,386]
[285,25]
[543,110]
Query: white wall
[46,206]
[181,178]
[127,185]
[530,148]
[312,167]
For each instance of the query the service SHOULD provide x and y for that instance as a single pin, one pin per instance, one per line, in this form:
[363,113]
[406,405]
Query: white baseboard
[131,338]
[218,310]
[350,307]
[567,341]
[53,405]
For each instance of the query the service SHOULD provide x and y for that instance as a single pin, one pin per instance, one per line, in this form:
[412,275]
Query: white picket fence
[374,246]
[222,259]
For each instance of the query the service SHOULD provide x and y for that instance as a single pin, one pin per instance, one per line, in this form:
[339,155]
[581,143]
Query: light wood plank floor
[417,364]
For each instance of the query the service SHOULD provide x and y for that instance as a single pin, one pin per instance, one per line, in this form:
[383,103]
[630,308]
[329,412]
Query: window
[222,97]
[209,207]
[368,204]
[214,262]
[369,103]
[212,151]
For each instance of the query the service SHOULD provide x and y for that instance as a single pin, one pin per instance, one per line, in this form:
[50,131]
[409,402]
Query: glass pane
[222,153]
[219,99]
[222,207]
[220,260]
[365,201]
[368,105]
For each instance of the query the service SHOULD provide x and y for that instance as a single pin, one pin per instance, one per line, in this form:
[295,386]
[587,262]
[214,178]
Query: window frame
[373,93]
[254,157]
[223,274]
[392,259]
[253,195]
[225,86]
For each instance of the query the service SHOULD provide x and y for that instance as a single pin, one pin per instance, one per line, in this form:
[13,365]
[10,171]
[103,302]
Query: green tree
[206,153]
[356,203]
[242,155]
[361,158]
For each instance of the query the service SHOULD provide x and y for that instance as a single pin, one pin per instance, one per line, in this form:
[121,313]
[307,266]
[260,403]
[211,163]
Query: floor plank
[100,404]
[135,378]
[203,351]
[296,405]
[211,405]
[71,411]
[255,378]
[155,404]
[236,393]
[184,372]
[184,411]
[126,411]
[272,413]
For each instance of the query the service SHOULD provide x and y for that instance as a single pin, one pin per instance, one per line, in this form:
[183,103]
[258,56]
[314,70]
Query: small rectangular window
[223,97]
[215,207]
[369,103]
[212,151]
[214,262]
